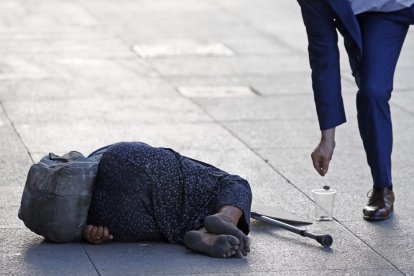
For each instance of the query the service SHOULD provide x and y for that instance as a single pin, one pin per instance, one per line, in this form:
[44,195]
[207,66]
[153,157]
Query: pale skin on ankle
[322,154]
[233,213]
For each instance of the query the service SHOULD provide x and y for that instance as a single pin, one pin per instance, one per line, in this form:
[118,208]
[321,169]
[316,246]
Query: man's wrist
[328,134]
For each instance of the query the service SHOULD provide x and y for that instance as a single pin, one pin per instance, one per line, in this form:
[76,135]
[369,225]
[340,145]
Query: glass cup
[324,203]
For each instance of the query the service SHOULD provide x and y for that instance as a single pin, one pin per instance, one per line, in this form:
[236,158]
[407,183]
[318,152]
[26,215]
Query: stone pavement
[82,74]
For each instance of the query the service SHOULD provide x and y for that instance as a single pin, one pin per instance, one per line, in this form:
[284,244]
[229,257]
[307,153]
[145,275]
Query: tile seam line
[90,259]
[16,131]
[372,248]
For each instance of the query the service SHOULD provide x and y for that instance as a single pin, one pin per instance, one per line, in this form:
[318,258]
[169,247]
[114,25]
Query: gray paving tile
[182,48]
[14,159]
[76,67]
[359,272]
[75,35]
[276,133]
[146,14]
[403,80]
[402,161]
[224,66]
[408,272]
[283,107]
[407,54]
[44,16]
[392,238]
[172,20]
[317,257]
[107,7]
[255,45]
[261,108]
[72,66]
[9,219]
[8,137]
[87,137]
[25,253]
[271,19]
[272,250]
[289,83]
[404,100]
[103,111]
[91,46]
[13,169]
[10,195]
[217,91]
[403,195]
[83,88]
[17,67]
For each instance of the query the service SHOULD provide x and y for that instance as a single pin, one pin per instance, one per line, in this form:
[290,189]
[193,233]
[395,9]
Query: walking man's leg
[383,35]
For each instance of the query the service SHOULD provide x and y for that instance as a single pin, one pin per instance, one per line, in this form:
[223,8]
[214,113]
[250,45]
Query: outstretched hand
[322,155]
[96,234]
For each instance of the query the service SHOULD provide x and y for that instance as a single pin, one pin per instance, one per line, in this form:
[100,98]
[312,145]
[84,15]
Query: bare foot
[222,224]
[96,234]
[219,246]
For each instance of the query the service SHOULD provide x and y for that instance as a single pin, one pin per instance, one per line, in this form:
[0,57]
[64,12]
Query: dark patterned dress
[143,193]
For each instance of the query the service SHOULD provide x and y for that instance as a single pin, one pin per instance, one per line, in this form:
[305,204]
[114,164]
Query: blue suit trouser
[383,35]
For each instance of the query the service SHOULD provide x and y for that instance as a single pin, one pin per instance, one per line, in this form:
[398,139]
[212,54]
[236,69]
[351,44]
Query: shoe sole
[376,218]
[380,218]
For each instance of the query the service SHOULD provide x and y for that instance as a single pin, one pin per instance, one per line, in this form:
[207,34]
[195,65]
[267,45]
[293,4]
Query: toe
[246,242]
[233,240]
[238,254]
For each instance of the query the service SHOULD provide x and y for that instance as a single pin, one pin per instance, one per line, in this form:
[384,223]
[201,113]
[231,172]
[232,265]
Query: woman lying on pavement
[143,193]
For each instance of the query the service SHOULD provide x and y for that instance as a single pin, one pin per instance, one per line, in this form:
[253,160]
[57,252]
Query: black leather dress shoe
[380,204]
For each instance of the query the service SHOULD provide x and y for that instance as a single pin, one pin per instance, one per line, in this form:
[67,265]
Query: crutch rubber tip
[325,240]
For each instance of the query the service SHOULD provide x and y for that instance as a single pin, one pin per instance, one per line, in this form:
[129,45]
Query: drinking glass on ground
[324,203]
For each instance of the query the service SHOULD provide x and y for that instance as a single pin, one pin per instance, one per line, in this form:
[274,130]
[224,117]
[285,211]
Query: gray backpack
[57,195]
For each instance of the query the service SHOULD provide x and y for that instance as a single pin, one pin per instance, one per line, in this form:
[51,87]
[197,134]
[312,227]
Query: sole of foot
[218,246]
[221,224]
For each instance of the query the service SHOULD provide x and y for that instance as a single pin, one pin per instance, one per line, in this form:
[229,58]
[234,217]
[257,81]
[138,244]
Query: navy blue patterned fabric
[143,193]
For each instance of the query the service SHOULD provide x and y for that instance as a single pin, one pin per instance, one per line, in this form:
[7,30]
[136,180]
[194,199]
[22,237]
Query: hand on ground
[96,234]
[322,155]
